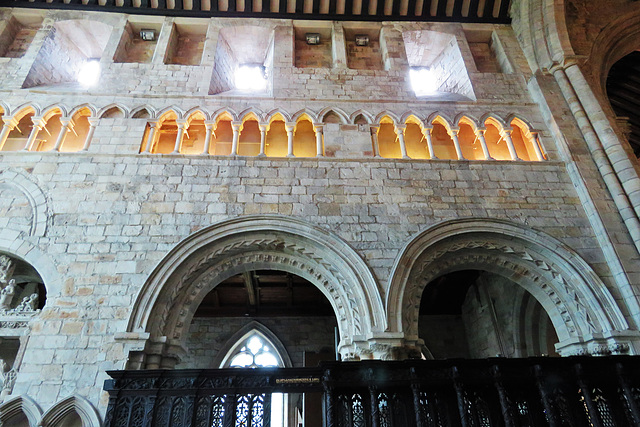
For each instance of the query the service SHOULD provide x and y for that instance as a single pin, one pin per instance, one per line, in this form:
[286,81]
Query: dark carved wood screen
[576,391]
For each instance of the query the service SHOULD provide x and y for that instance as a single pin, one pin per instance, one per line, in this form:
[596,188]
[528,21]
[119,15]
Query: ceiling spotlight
[312,38]
[148,35]
[362,40]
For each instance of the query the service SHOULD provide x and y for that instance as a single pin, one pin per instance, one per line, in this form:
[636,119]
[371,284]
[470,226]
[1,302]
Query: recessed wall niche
[487,51]
[440,54]
[186,43]
[366,56]
[247,45]
[17,34]
[313,55]
[132,48]
[65,50]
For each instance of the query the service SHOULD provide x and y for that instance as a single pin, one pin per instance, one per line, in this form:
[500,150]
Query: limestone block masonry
[127,241]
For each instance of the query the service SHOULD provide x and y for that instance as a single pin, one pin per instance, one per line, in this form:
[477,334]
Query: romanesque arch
[583,311]
[169,298]
[33,221]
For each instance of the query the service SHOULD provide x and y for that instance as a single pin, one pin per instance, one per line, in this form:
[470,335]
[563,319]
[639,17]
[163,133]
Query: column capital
[289,126]
[481,129]
[506,130]
[264,126]
[181,122]
[236,125]
[400,127]
[210,124]
[93,121]
[65,121]
[38,121]
[10,121]
[318,127]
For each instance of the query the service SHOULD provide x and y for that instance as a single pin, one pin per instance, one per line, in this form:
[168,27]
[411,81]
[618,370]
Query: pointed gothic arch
[166,304]
[583,311]
[250,329]
[20,406]
[67,407]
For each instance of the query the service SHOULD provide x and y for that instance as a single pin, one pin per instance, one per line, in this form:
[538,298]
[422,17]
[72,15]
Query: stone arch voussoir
[168,300]
[582,309]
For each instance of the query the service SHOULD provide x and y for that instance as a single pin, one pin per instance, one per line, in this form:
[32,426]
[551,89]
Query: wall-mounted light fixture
[312,38]
[148,35]
[362,40]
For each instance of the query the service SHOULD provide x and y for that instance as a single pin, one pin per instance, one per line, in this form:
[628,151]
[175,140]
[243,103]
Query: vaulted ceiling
[484,11]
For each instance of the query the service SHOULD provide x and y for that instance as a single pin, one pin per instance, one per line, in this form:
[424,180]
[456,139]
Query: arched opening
[294,309]
[17,138]
[22,296]
[276,143]
[222,137]
[496,145]
[77,135]
[469,144]
[331,117]
[259,319]
[48,135]
[194,134]
[304,139]
[114,112]
[165,138]
[443,146]
[249,141]
[415,140]
[623,91]
[388,143]
[478,314]
[573,297]
[523,141]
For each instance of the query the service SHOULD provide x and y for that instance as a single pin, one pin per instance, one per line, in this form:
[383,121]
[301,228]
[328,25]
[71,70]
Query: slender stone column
[427,135]
[9,124]
[483,143]
[506,134]
[208,126]
[290,127]
[182,124]
[318,129]
[153,126]
[608,171]
[456,143]
[536,146]
[403,147]
[237,127]
[38,124]
[93,121]
[263,138]
[64,129]
[374,139]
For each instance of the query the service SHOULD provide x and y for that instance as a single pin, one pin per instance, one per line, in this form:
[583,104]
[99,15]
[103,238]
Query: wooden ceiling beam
[251,287]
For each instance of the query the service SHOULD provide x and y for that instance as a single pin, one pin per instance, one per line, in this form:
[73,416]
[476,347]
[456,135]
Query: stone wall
[207,336]
[107,217]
